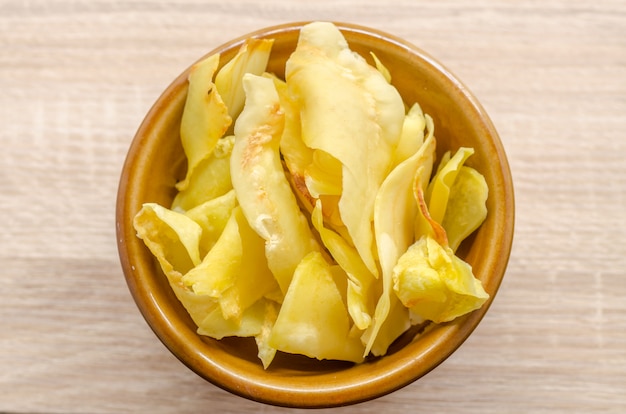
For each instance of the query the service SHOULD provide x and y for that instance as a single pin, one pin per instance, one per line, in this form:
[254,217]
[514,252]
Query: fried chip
[256,321]
[296,155]
[396,323]
[466,208]
[210,179]
[313,319]
[172,237]
[221,265]
[425,225]
[360,281]
[217,326]
[212,217]
[394,214]
[412,133]
[205,117]
[267,352]
[381,68]
[234,271]
[438,190]
[435,284]
[252,57]
[259,181]
[350,111]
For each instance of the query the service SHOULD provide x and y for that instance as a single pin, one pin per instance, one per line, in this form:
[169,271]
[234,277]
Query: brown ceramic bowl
[155,162]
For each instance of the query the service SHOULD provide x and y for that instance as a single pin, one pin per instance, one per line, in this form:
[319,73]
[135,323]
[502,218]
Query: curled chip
[172,237]
[234,271]
[205,118]
[212,217]
[313,319]
[350,111]
[394,214]
[360,289]
[435,284]
[252,57]
[262,189]
[211,178]
[438,191]
[467,207]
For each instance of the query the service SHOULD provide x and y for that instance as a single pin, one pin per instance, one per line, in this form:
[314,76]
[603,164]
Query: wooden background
[77,77]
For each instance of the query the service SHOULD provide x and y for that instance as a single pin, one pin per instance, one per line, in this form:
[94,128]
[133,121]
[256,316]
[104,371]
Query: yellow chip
[435,284]
[252,57]
[349,111]
[394,214]
[259,181]
[360,284]
[210,178]
[313,319]
[412,133]
[172,237]
[466,209]
[234,271]
[205,117]
[212,217]
[438,191]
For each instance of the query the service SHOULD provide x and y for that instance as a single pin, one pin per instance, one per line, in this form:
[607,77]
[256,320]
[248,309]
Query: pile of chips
[313,215]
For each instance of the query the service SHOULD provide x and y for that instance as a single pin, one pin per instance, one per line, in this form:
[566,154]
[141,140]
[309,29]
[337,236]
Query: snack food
[363,191]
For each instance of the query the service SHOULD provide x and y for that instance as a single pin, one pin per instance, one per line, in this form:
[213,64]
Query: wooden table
[77,77]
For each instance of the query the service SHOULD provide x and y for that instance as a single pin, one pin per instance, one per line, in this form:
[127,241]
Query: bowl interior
[155,162]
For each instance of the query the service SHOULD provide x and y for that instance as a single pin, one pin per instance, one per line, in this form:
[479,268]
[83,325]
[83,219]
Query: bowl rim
[405,369]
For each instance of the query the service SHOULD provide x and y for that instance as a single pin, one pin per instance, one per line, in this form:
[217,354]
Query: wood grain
[76,78]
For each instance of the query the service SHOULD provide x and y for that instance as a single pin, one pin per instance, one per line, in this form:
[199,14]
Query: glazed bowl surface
[155,162]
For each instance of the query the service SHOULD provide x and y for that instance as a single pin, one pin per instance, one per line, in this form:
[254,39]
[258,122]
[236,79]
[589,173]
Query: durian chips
[311,216]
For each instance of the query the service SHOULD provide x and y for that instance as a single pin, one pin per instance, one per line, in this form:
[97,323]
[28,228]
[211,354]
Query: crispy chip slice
[394,214]
[172,237]
[234,271]
[424,172]
[361,283]
[215,325]
[323,175]
[381,68]
[425,225]
[436,284]
[252,57]
[297,156]
[219,268]
[313,319]
[412,133]
[267,352]
[197,306]
[262,189]
[396,323]
[210,178]
[351,112]
[438,190]
[467,207]
[205,117]
[212,217]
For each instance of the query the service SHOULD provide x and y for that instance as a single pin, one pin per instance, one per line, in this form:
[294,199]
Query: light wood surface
[77,77]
